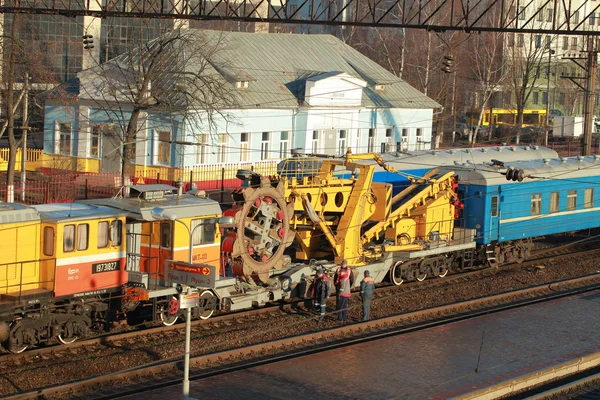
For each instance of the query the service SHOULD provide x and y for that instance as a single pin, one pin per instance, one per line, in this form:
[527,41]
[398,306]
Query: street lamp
[161,214]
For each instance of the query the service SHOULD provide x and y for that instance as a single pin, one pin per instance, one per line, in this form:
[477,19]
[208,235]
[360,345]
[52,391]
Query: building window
[68,238]
[571,200]
[164,147]
[64,138]
[536,98]
[404,132]
[292,9]
[520,40]
[554,202]
[419,132]
[315,141]
[284,144]
[202,148]
[371,141]
[95,142]
[573,43]
[536,204]
[565,45]
[165,235]
[550,15]
[540,15]
[48,241]
[102,234]
[244,146]
[494,206]
[222,148]
[204,234]
[264,145]
[588,198]
[576,17]
[522,13]
[342,141]
[548,42]
[592,18]
[538,41]
[544,97]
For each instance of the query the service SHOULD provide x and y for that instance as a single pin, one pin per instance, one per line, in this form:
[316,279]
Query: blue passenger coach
[417,163]
[555,196]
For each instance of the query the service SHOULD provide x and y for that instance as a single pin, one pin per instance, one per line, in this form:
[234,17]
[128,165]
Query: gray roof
[73,212]
[560,169]
[275,65]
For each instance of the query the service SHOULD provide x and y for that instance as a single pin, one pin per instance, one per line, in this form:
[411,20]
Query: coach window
[536,204]
[554,202]
[165,234]
[203,234]
[69,238]
[83,231]
[116,232]
[48,241]
[102,234]
[571,200]
[588,198]
[494,206]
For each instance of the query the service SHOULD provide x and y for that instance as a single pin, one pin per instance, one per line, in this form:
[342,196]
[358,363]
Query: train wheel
[17,349]
[168,314]
[443,271]
[207,304]
[67,339]
[397,274]
[421,276]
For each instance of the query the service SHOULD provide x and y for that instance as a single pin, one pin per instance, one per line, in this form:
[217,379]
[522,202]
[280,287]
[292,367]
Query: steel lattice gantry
[533,16]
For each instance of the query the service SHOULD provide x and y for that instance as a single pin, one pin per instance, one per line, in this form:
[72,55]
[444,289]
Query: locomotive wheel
[207,302]
[397,274]
[168,314]
[17,350]
[443,272]
[421,276]
[67,339]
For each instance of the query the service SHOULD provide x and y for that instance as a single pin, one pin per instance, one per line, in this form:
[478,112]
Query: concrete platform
[456,361]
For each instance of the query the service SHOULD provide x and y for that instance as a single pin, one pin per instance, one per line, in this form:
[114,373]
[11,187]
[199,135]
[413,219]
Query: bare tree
[525,61]
[488,68]
[21,61]
[180,77]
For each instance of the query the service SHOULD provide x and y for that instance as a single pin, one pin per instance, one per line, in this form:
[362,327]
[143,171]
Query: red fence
[63,186]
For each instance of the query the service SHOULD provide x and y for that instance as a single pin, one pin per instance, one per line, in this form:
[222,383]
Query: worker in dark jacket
[343,281]
[367,287]
[321,291]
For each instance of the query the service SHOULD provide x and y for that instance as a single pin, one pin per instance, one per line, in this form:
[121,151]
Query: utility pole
[590,94]
[24,128]
[590,68]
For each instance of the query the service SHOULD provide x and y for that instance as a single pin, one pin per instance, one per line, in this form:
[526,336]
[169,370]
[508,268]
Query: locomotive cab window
[165,234]
[572,200]
[48,241]
[554,202]
[68,238]
[116,232]
[203,234]
[83,231]
[588,198]
[536,204]
[102,234]
[494,206]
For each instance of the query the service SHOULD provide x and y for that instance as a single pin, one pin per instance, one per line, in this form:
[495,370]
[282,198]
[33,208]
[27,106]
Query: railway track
[298,306]
[230,327]
[166,372]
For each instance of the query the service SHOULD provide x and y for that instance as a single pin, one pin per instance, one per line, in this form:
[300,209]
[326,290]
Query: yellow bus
[503,116]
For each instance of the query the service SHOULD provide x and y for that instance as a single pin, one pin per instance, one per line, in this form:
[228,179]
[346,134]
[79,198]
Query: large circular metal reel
[263,231]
